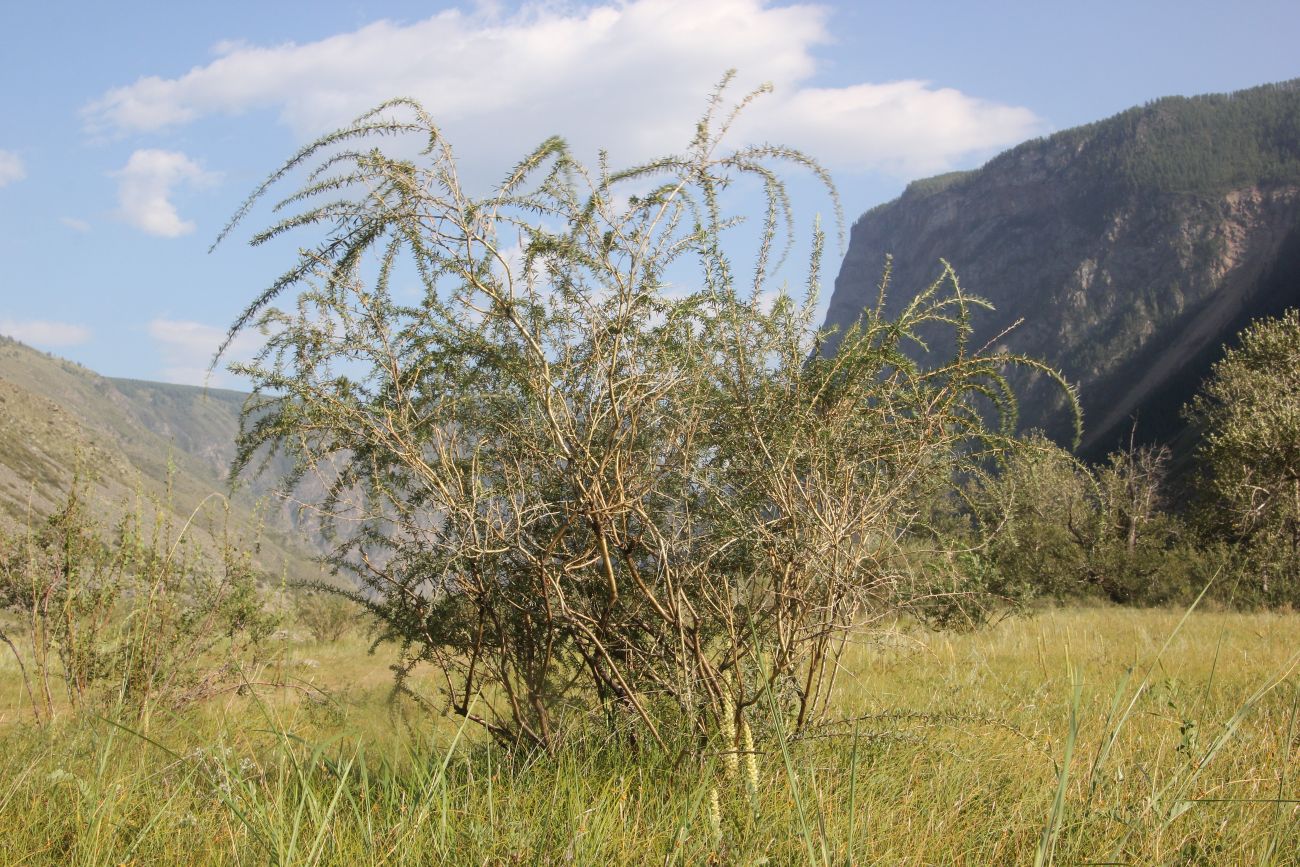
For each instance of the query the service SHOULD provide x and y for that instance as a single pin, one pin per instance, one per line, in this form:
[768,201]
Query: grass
[1075,736]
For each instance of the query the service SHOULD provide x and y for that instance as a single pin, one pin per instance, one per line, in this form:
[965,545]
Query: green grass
[948,748]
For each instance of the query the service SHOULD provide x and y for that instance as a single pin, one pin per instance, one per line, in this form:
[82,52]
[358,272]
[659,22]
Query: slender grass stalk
[801,813]
[853,792]
[1113,729]
[1274,839]
[1047,843]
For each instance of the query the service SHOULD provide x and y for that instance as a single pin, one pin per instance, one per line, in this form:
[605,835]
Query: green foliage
[1204,145]
[1063,529]
[1040,510]
[1248,412]
[130,619]
[328,616]
[962,591]
[1140,551]
[587,462]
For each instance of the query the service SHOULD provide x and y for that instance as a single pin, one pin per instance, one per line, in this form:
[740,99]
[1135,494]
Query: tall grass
[1077,736]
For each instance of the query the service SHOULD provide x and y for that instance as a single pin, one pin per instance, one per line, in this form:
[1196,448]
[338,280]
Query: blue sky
[131,131]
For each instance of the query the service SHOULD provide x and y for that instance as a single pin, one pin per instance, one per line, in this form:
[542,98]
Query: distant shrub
[1063,529]
[132,617]
[325,615]
[963,591]
[1039,512]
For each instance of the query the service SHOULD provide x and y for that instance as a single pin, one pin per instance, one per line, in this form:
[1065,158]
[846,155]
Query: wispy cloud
[187,347]
[11,168]
[75,224]
[44,333]
[145,186]
[629,76]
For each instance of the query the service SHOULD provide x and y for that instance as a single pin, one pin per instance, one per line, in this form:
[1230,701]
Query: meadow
[1087,735]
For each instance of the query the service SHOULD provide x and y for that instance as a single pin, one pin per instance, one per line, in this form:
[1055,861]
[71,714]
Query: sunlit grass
[947,748]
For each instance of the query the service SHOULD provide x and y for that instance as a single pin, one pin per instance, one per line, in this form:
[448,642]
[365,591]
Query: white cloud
[904,127]
[145,186]
[75,224]
[629,76]
[11,168]
[187,347]
[40,332]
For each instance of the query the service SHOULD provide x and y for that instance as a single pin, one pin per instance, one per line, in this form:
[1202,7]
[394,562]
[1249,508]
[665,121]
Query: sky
[131,131]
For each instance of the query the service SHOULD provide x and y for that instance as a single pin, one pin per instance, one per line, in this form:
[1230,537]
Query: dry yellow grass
[946,749]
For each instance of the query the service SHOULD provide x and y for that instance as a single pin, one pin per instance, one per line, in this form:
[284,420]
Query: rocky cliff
[1132,249]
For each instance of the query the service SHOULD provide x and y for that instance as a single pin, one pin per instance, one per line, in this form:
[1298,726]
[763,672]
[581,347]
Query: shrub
[1063,529]
[1248,412]
[326,614]
[963,591]
[587,461]
[130,618]
[1040,513]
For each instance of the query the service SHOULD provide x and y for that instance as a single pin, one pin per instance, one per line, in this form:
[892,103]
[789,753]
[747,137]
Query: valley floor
[1076,735]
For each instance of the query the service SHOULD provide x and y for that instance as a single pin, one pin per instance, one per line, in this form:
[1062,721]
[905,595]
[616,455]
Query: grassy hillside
[137,445]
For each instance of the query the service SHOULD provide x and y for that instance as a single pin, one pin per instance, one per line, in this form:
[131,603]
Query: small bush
[964,591]
[130,617]
[326,616]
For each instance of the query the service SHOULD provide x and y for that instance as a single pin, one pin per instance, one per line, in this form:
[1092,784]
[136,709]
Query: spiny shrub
[588,463]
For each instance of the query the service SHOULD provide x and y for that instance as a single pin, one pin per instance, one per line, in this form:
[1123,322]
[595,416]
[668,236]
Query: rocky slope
[1132,249]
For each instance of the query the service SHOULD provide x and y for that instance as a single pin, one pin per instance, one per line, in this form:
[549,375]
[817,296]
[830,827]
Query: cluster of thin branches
[584,463]
[128,618]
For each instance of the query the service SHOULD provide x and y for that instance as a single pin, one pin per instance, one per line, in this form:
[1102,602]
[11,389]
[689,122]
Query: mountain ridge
[1133,248]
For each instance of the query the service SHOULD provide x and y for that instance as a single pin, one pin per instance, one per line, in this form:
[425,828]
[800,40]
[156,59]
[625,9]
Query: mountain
[164,449]
[1132,248]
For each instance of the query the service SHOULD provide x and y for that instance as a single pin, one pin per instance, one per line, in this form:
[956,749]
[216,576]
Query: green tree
[1062,528]
[1041,516]
[588,463]
[1248,412]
